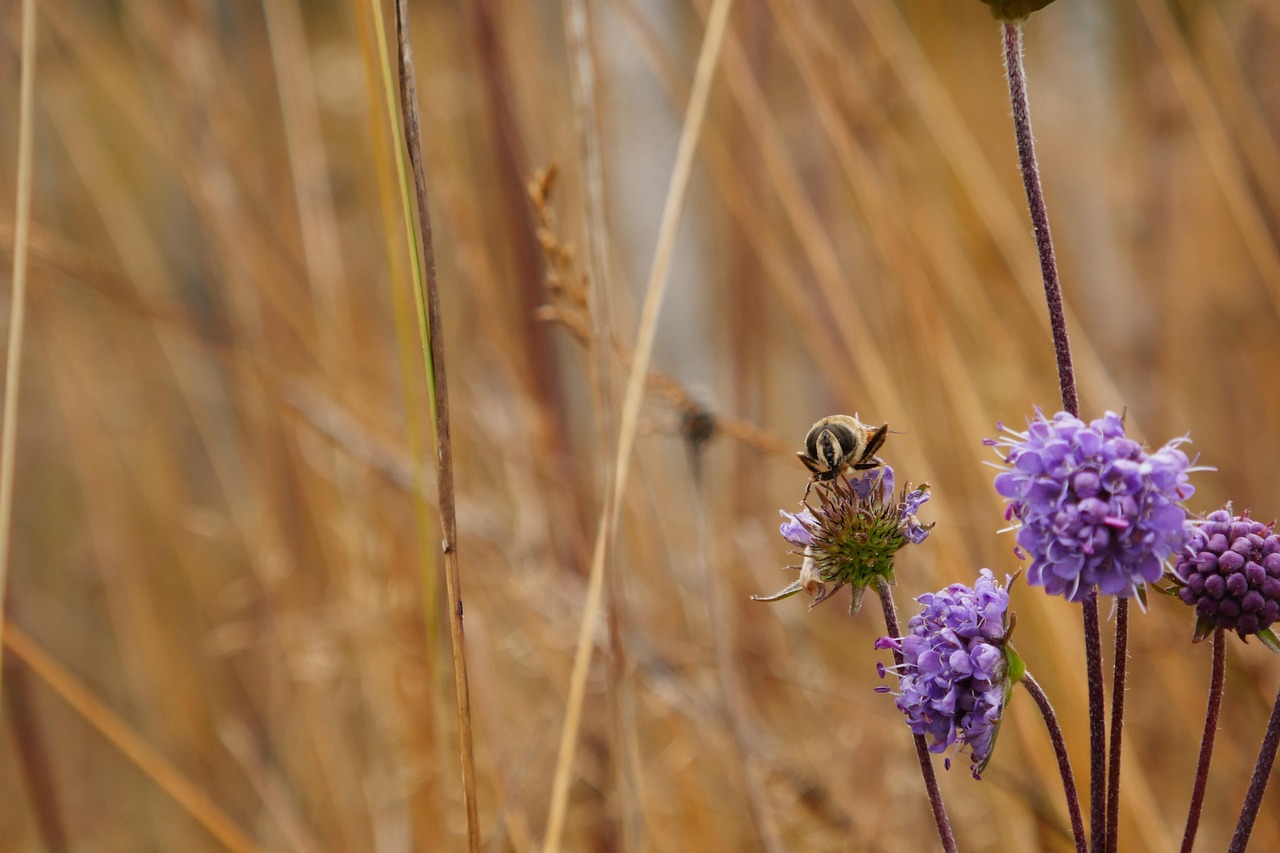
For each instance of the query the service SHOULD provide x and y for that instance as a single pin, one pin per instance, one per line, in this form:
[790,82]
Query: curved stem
[1064,762]
[1117,719]
[1257,785]
[1206,742]
[922,750]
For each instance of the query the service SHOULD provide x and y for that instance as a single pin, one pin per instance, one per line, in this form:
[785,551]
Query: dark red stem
[1064,761]
[1117,720]
[1206,742]
[1257,785]
[922,750]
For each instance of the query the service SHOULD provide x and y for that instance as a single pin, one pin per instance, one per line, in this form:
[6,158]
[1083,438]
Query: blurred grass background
[215,536]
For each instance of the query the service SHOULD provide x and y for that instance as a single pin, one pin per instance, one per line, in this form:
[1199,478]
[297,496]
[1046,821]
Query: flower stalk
[1216,680]
[1258,784]
[1064,761]
[939,809]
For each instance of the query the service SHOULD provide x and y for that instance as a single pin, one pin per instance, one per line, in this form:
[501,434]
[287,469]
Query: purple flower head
[956,675]
[1229,572]
[1096,509]
[852,533]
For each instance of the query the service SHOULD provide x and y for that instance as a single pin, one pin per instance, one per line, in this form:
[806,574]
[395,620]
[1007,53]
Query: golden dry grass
[224,505]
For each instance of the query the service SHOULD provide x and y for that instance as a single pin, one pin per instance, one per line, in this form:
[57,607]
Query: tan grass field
[227,623]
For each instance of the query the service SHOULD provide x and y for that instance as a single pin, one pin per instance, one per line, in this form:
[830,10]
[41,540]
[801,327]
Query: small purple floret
[953,677]
[1096,509]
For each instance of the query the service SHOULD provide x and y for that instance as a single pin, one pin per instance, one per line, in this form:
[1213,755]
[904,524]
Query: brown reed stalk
[673,207]
[146,757]
[427,294]
[18,297]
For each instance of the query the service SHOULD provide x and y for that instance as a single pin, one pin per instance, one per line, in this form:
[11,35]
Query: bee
[838,443]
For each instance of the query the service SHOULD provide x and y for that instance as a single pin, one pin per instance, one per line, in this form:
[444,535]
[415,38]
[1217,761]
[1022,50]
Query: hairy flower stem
[1039,215]
[1257,785]
[1097,733]
[1064,762]
[1017,77]
[1117,718]
[1206,743]
[922,750]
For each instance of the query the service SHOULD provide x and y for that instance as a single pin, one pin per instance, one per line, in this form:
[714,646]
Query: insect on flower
[838,443]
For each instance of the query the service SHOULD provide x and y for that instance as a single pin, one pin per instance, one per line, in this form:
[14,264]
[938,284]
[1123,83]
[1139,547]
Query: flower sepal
[1204,630]
[786,592]
[1016,669]
[1268,638]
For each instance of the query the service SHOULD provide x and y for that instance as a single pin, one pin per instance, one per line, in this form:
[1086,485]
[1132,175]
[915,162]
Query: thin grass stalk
[712,41]
[430,582]
[600,351]
[32,754]
[939,809]
[18,298]
[1118,673]
[1216,681]
[427,296]
[1257,784]
[733,696]
[1021,105]
[379,83]
[142,754]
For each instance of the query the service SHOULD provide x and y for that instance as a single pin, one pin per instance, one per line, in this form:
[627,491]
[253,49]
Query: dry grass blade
[169,779]
[713,40]
[433,346]
[18,298]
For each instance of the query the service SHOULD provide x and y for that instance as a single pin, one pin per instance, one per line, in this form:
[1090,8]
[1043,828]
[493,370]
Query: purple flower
[955,676]
[1230,572]
[1096,509]
[851,535]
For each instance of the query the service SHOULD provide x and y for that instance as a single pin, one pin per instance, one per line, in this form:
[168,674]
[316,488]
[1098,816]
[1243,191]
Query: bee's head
[833,444]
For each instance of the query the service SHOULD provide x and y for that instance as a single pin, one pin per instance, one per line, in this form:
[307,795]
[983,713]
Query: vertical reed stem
[433,353]
[18,298]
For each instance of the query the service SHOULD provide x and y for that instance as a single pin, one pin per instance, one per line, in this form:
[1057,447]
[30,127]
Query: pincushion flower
[1229,572]
[957,670]
[1095,508]
[851,535]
